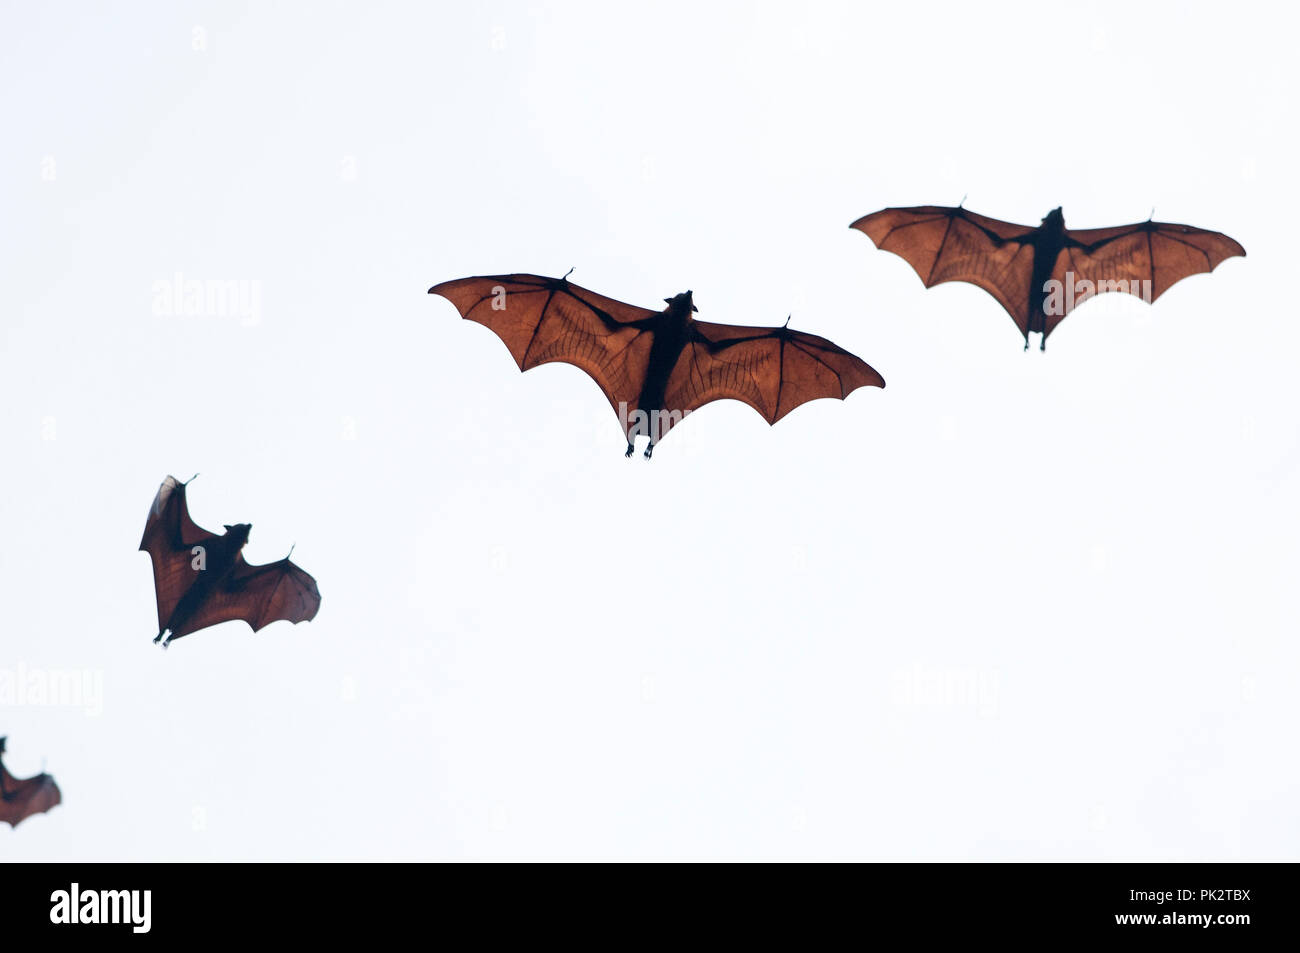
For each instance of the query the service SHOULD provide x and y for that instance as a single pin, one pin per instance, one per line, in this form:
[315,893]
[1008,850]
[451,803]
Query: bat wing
[545,320]
[1144,259]
[23,798]
[773,370]
[954,244]
[169,536]
[258,595]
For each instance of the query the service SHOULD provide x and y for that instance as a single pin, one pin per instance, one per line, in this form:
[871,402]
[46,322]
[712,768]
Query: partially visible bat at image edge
[20,798]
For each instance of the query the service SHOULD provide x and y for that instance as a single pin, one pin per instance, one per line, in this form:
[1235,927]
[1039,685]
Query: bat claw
[630,449]
[158,638]
[650,448]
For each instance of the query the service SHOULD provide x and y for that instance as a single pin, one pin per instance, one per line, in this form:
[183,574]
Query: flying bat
[655,367]
[201,578]
[21,798]
[1041,274]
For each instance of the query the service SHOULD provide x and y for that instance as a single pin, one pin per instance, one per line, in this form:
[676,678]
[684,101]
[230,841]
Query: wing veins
[800,346]
[537,327]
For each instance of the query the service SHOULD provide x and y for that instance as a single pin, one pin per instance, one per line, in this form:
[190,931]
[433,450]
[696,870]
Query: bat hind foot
[630,449]
[650,448]
[158,638]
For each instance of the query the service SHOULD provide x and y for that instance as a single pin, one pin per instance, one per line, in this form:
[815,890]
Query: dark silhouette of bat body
[1048,243]
[669,340]
[655,367]
[1039,275]
[21,798]
[201,578]
[222,554]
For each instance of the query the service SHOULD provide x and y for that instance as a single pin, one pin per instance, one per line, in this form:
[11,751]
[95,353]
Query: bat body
[655,367]
[21,798]
[201,578]
[1039,275]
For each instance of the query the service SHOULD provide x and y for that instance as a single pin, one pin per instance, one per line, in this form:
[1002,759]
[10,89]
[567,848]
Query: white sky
[1013,606]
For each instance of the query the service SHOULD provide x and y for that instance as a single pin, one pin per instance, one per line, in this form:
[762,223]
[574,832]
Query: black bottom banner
[1046,902]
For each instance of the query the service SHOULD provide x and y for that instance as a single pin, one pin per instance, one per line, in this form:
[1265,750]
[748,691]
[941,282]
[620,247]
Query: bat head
[1054,217]
[681,303]
[239,532]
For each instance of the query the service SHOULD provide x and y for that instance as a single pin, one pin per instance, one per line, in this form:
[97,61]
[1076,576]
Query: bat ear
[676,298]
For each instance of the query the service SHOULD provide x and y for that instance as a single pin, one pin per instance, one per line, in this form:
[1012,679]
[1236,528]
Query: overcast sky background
[1014,606]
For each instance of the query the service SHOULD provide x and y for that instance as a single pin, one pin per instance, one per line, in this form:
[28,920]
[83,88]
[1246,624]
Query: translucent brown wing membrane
[25,797]
[1145,259]
[258,595]
[903,225]
[954,244]
[548,320]
[773,370]
[1160,252]
[1165,251]
[169,538]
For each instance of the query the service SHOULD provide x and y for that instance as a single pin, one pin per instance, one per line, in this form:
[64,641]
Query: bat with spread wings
[655,367]
[20,798]
[1039,275]
[201,579]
